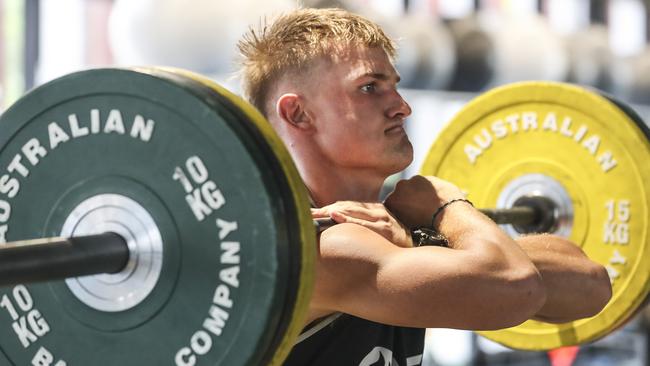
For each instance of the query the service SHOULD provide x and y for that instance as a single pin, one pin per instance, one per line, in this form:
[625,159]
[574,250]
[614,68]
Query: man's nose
[400,108]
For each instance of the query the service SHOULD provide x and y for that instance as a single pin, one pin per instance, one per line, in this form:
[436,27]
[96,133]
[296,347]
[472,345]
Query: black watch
[427,236]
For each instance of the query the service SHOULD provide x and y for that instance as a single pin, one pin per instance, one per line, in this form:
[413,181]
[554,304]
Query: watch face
[427,236]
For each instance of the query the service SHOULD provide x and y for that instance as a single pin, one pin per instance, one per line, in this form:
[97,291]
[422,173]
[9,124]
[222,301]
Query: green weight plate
[300,242]
[299,283]
[222,291]
[3,359]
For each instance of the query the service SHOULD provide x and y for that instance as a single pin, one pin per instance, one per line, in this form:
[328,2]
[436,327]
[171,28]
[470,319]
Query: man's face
[357,111]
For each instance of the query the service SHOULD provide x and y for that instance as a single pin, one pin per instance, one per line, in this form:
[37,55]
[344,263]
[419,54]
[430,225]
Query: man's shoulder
[352,238]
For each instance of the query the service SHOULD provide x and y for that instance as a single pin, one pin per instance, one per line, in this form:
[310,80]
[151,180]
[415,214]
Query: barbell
[56,258]
[174,213]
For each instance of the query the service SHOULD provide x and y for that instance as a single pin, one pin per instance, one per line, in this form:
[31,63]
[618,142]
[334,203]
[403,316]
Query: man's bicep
[361,273]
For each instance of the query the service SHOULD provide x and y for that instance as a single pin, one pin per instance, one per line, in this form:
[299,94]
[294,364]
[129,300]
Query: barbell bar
[537,215]
[50,259]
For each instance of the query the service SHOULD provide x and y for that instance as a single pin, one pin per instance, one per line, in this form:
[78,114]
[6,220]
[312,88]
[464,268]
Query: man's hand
[415,200]
[373,216]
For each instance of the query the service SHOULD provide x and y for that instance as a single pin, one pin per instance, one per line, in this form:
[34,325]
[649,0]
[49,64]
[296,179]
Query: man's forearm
[576,287]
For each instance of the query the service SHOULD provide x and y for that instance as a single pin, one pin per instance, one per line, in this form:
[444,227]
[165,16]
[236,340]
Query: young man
[325,80]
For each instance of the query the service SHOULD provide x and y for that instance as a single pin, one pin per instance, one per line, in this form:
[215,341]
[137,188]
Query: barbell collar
[49,259]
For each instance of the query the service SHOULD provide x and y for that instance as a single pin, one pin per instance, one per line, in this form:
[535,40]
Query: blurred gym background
[450,51]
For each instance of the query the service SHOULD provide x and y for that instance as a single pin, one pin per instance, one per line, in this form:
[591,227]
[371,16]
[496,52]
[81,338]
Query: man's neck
[327,187]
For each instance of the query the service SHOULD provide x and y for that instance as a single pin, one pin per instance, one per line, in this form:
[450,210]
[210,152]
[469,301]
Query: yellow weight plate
[585,152]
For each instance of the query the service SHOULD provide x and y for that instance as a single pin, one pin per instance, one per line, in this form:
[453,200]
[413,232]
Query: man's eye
[368,88]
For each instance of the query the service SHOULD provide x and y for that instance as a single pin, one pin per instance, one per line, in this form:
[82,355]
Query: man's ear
[291,109]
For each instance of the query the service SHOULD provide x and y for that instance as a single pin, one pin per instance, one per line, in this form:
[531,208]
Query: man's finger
[343,218]
[318,213]
[361,212]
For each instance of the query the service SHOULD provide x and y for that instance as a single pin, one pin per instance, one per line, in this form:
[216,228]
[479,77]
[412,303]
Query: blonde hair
[296,39]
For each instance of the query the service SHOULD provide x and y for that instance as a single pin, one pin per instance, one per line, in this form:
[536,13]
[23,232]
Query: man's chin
[400,162]
[408,154]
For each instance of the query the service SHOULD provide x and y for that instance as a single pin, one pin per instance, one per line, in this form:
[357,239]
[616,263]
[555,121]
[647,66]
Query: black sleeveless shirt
[344,340]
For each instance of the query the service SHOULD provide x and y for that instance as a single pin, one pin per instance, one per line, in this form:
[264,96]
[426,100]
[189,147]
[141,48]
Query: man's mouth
[395,129]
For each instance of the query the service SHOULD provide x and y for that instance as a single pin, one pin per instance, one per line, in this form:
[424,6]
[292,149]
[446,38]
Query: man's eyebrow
[379,76]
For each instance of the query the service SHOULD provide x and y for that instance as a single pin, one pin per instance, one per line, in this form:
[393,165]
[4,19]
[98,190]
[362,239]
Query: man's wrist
[437,215]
